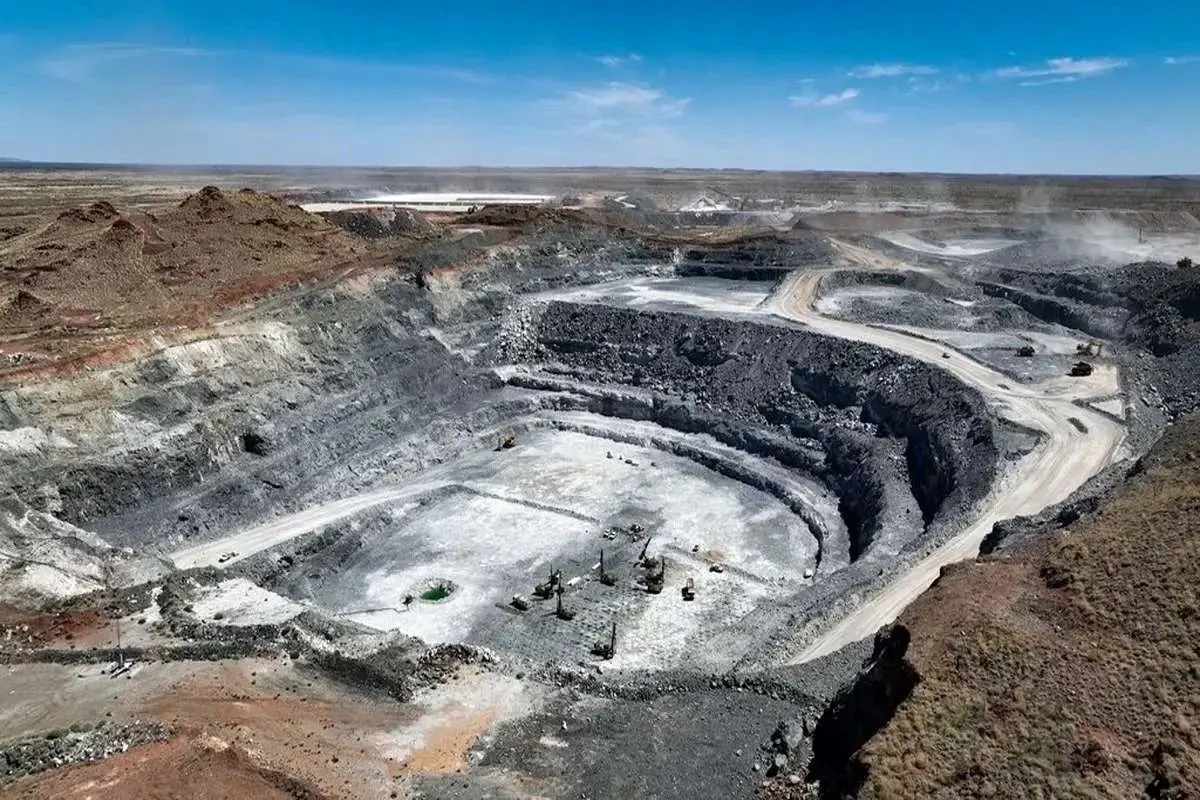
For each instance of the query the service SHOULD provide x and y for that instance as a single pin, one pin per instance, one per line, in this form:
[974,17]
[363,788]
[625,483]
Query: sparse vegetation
[1077,677]
[1185,263]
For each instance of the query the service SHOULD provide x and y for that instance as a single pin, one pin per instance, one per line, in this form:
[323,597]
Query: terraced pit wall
[761,387]
[358,391]
[319,392]
[178,444]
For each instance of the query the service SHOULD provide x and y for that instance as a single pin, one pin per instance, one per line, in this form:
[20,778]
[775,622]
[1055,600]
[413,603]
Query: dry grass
[1071,670]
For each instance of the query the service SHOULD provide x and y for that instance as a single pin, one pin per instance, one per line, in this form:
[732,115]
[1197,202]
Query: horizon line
[33,164]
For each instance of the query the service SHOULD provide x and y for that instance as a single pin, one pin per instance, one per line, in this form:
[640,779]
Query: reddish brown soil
[95,280]
[257,729]
[37,629]
[445,748]
[1069,669]
[185,768]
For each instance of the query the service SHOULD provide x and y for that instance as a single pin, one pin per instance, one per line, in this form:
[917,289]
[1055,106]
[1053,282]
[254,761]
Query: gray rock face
[289,416]
[748,376]
[765,257]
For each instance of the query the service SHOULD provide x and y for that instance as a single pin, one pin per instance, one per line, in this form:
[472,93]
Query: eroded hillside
[1067,668]
[94,276]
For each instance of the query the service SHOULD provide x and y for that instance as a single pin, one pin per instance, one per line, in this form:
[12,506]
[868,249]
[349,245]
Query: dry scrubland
[1069,669]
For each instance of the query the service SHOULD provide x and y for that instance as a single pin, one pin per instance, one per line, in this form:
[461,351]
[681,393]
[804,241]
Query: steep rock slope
[795,384]
[1067,669]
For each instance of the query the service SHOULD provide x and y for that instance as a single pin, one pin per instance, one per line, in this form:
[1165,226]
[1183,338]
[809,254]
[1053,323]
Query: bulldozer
[1081,369]
[506,441]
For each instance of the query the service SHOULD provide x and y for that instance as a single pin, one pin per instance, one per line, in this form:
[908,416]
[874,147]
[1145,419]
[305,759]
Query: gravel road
[1065,458]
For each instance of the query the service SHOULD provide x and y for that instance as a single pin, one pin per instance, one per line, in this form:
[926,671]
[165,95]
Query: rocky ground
[267,395]
[1092,627]
[92,280]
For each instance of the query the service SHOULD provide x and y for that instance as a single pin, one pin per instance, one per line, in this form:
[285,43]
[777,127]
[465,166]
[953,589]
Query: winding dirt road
[1077,442]
[231,549]
[261,537]
[1065,458]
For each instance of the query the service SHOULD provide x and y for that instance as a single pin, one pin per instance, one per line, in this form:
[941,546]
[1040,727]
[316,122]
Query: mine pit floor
[493,523]
[554,502]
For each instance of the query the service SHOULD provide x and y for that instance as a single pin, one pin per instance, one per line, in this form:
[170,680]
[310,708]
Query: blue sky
[1018,86]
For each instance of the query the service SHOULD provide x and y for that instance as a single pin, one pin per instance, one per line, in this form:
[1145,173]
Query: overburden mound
[130,265]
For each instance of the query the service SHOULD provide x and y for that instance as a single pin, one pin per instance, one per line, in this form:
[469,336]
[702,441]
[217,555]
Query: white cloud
[629,98]
[1048,81]
[78,63]
[1062,70]
[817,101]
[891,70]
[923,86]
[612,61]
[81,63]
[1177,60]
[636,121]
[599,125]
[866,117]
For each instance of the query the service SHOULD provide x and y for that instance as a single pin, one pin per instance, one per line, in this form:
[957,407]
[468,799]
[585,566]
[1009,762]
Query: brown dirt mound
[208,203]
[100,211]
[139,271]
[122,232]
[245,207]
[1069,669]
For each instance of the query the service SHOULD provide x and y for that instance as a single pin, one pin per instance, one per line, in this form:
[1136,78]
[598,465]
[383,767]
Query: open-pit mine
[546,485]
